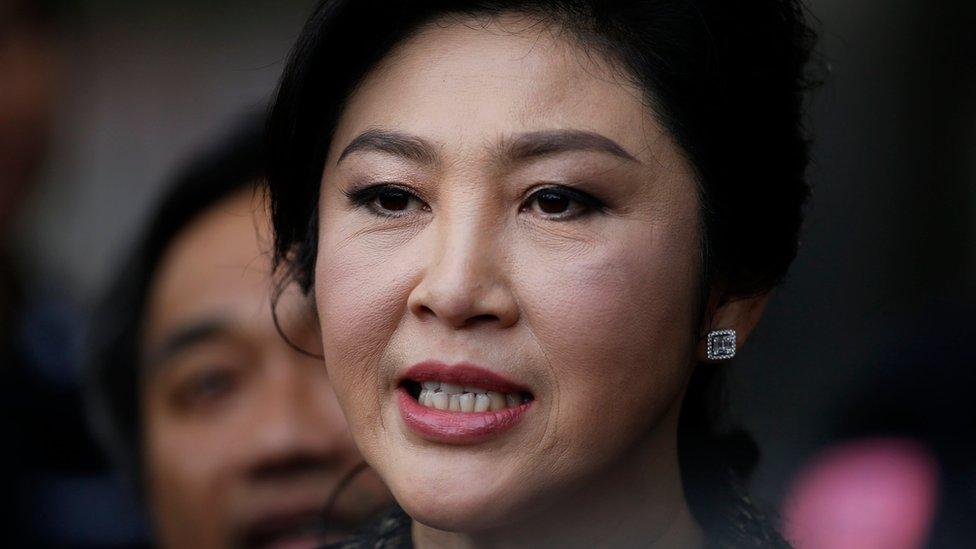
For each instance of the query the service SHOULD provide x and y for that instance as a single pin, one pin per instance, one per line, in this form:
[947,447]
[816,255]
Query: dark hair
[726,79]
[112,374]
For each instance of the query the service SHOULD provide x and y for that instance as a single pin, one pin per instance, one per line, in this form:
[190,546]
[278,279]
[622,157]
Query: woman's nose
[465,281]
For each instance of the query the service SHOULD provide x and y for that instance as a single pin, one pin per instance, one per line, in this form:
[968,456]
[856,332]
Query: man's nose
[298,427]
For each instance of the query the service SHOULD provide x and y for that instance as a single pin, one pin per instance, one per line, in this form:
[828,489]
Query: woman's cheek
[359,291]
[359,304]
[616,326]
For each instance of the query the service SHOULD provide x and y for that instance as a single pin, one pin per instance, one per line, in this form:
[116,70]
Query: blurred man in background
[229,428]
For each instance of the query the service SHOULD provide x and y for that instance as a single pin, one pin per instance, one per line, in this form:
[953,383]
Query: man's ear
[740,314]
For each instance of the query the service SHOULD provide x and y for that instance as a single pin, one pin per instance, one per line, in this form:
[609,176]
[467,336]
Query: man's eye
[561,203]
[206,388]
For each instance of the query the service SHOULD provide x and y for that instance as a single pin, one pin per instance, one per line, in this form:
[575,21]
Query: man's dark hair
[113,370]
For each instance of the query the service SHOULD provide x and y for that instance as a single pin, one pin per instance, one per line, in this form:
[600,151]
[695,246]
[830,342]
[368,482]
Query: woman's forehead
[470,87]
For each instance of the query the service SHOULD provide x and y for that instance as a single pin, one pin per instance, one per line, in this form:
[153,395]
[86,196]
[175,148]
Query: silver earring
[721,344]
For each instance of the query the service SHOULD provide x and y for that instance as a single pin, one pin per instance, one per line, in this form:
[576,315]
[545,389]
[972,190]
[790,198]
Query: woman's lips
[461,374]
[456,427]
[438,402]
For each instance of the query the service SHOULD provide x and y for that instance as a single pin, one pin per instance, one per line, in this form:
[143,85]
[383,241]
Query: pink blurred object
[875,493]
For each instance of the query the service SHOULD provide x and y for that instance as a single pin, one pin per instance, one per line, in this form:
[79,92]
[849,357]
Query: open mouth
[460,404]
[441,395]
[288,532]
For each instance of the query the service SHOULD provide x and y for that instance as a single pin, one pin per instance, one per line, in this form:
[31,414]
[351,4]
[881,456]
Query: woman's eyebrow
[409,147]
[532,145]
[522,147]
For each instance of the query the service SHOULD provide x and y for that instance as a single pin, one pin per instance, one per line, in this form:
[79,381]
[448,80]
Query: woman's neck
[639,502]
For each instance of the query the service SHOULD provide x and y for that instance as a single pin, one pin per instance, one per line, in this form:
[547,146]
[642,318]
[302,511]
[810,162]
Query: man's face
[243,439]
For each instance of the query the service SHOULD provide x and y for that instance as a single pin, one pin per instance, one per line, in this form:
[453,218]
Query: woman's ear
[741,315]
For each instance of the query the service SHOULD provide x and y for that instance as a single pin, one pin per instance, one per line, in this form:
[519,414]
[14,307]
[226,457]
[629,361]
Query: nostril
[481,319]
[464,305]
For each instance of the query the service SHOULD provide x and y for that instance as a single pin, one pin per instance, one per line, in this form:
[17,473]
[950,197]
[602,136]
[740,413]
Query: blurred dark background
[107,97]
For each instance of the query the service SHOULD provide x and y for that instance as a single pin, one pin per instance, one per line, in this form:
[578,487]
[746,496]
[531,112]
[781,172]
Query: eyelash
[589,203]
[364,197]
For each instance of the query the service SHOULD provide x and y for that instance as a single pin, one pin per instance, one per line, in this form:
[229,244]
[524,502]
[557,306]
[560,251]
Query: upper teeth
[457,398]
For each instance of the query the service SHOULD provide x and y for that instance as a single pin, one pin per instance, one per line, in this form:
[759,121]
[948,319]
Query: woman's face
[504,225]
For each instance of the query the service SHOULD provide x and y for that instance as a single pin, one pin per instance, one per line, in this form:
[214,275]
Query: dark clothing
[56,488]
[392,531]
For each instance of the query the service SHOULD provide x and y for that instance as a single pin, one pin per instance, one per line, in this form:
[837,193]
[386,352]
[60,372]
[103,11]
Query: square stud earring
[720,344]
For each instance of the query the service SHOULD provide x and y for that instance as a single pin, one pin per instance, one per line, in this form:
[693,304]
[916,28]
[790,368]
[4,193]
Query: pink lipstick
[461,403]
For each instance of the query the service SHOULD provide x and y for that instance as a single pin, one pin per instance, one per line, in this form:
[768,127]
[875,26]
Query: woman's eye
[553,203]
[561,203]
[387,200]
[393,200]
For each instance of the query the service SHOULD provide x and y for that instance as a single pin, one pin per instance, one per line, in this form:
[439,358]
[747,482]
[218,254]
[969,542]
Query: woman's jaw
[480,494]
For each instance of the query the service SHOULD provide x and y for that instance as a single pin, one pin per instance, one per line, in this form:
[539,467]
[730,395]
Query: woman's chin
[459,506]
[457,488]
[461,514]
